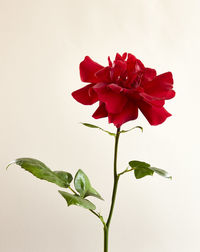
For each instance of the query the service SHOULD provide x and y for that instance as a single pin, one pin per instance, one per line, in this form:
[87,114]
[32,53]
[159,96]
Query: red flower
[122,88]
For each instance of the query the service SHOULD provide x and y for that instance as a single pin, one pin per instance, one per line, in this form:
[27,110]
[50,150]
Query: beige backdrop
[41,45]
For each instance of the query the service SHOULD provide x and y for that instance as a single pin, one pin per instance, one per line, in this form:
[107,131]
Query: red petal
[100,112]
[85,95]
[153,114]
[149,74]
[118,57]
[124,56]
[113,100]
[129,112]
[118,70]
[152,100]
[109,61]
[138,66]
[161,86]
[131,63]
[116,88]
[88,68]
[103,75]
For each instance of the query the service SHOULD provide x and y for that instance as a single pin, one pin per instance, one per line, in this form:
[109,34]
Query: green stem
[125,171]
[105,239]
[72,190]
[116,180]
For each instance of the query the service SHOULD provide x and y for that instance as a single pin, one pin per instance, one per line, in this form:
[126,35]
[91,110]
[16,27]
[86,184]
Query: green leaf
[83,186]
[161,172]
[142,172]
[136,127]
[138,164]
[141,169]
[64,176]
[41,171]
[90,125]
[97,127]
[77,200]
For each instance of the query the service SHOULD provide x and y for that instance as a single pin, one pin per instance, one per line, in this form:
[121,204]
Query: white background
[41,45]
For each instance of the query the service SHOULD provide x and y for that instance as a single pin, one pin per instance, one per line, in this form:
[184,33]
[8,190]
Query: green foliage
[142,169]
[138,164]
[77,200]
[142,172]
[110,133]
[97,127]
[161,172]
[83,185]
[41,171]
[136,127]
[90,125]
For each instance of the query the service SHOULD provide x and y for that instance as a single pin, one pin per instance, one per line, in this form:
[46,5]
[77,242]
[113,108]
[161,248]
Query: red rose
[122,88]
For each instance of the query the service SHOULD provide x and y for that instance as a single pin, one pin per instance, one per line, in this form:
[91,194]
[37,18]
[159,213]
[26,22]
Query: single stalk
[116,180]
[72,190]
[105,239]
[125,171]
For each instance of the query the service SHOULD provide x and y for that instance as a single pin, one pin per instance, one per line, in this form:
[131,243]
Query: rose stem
[116,180]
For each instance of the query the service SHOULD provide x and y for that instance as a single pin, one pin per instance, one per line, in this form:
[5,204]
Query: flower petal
[129,112]
[116,88]
[149,74]
[152,100]
[161,86]
[154,115]
[124,55]
[131,63]
[109,61]
[131,74]
[139,66]
[100,112]
[114,101]
[103,75]
[85,95]
[118,57]
[88,68]
[118,70]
